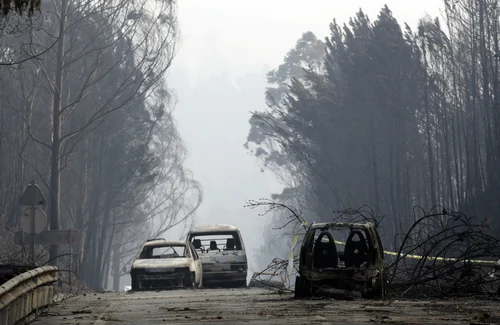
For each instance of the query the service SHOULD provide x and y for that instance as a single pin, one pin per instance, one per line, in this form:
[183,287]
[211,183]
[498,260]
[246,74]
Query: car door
[197,264]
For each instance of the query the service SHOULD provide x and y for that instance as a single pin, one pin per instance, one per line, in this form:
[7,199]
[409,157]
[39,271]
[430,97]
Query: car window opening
[171,251]
[216,242]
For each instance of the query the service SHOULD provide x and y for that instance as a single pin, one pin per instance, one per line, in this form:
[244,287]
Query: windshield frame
[235,233]
[143,253]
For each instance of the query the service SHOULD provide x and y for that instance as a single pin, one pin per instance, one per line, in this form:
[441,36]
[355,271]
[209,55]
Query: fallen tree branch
[443,254]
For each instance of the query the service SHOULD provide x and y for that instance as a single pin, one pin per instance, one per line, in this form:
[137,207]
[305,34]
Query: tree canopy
[390,117]
[91,121]
[20,6]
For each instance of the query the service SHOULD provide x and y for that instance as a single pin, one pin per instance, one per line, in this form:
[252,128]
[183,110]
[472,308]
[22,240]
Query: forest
[389,116]
[85,111]
[379,114]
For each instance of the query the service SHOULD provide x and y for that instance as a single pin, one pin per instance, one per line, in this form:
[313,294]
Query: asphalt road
[258,306]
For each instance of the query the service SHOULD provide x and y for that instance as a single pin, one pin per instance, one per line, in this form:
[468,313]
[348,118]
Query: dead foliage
[445,254]
[274,276]
[442,254]
[14,254]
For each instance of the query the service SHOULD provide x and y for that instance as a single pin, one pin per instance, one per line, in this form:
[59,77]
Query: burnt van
[222,255]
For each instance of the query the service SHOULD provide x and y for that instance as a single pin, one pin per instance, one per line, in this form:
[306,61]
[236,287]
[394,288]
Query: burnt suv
[351,264]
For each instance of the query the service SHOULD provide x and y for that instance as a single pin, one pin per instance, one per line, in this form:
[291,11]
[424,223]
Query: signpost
[50,237]
[33,223]
[27,221]
[33,198]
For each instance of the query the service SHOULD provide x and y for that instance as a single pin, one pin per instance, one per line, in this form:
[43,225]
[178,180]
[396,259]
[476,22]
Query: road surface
[258,306]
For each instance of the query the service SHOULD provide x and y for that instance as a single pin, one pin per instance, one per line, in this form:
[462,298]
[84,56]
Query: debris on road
[83,310]
[257,306]
[267,279]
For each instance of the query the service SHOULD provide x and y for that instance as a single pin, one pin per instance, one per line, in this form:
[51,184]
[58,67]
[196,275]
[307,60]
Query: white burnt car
[162,264]
[222,255]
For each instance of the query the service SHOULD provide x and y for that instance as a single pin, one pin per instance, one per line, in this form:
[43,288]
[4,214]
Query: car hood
[162,263]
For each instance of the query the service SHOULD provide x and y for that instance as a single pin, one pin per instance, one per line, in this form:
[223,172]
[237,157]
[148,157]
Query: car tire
[190,281]
[299,288]
[378,289]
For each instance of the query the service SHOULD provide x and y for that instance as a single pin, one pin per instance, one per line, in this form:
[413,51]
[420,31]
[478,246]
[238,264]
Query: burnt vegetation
[379,115]
[395,119]
[86,113]
[28,7]
[442,254]
[446,254]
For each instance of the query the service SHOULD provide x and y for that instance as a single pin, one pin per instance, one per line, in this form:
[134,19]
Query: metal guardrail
[26,293]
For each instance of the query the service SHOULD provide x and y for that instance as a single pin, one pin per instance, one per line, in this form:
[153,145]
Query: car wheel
[379,288]
[299,288]
[190,281]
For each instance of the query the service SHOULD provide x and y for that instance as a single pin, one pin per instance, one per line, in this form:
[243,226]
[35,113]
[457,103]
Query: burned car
[222,255]
[352,267]
[162,264]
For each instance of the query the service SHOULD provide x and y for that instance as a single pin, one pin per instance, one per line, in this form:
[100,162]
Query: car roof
[317,225]
[213,228]
[163,242]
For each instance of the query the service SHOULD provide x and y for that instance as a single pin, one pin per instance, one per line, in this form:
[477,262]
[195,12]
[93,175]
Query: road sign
[50,237]
[32,196]
[59,237]
[40,222]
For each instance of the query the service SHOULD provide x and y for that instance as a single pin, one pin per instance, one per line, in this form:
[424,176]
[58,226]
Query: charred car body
[222,255]
[356,268]
[162,264]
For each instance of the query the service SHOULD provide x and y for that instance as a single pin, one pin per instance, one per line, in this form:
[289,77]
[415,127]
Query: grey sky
[219,76]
